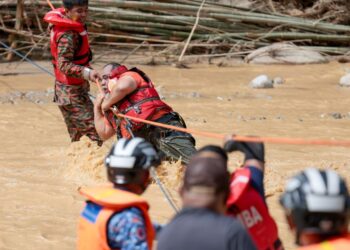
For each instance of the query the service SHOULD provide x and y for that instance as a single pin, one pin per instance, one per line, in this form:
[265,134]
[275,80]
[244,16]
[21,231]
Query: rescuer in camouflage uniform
[71,55]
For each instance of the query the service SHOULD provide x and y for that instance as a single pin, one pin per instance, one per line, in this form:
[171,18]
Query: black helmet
[129,159]
[68,4]
[317,201]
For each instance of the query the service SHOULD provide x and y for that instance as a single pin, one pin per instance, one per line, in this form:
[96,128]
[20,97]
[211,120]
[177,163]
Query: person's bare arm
[105,131]
[125,86]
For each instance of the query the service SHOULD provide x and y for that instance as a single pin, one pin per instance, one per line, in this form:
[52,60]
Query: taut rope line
[274,140]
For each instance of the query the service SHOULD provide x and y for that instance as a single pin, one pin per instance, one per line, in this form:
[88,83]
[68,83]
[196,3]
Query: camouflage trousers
[77,110]
[172,145]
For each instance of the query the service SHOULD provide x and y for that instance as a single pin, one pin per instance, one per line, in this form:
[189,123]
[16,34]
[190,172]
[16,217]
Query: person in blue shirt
[116,217]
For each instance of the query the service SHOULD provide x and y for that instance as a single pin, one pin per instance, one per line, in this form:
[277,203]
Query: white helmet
[130,158]
[317,201]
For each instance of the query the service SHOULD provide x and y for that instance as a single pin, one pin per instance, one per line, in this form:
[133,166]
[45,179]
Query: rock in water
[278,80]
[261,82]
[281,53]
[345,81]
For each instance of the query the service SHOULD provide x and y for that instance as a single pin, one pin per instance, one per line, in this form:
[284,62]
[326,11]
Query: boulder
[281,53]
[278,80]
[261,82]
[345,81]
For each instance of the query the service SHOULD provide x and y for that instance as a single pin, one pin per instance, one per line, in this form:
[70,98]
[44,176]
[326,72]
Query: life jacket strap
[141,73]
[136,106]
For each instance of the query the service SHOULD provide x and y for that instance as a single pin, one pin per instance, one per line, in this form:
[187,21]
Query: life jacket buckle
[137,109]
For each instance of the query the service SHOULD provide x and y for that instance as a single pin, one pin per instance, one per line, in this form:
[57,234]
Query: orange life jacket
[246,204]
[93,223]
[339,243]
[143,103]
[61,24]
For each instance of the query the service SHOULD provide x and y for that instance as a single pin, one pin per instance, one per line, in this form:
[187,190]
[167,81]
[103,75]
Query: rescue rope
[25,58]
[153,172]
[295,141]
[164,190]
[50,4]
[274,140]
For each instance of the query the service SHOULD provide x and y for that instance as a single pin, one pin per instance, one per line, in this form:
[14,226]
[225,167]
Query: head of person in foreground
[128,164]
[316,205]
[206,183]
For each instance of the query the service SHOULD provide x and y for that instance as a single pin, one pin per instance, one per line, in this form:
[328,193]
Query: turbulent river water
[40,170]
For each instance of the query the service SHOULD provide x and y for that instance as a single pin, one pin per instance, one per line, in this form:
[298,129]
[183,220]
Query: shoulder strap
[141,73]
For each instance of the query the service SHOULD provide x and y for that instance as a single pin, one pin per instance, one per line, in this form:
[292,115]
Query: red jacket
[143,103]
[246,204]
[60,25]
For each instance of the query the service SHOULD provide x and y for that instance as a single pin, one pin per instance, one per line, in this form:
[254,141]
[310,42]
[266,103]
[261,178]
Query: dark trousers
[172,145]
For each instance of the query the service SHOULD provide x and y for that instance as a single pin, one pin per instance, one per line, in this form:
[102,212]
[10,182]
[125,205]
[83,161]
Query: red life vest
[246,204]
[61,24]
[143,103]
[93,221]
[339,243]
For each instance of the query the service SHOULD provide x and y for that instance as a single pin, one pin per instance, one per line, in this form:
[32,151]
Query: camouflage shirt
[68,43]
[127,230]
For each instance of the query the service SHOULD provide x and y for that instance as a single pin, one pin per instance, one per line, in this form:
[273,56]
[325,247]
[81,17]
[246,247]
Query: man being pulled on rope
[202,223]
[317,207]
[71,56]
[117,217]
[131,92]
[247,195]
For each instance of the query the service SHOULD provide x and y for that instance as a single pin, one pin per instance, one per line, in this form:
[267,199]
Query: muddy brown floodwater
[41,170]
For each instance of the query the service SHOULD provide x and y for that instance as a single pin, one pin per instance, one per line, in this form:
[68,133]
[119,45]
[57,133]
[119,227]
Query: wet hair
[207,172]
[69,4]
[113,64]
[214,149]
